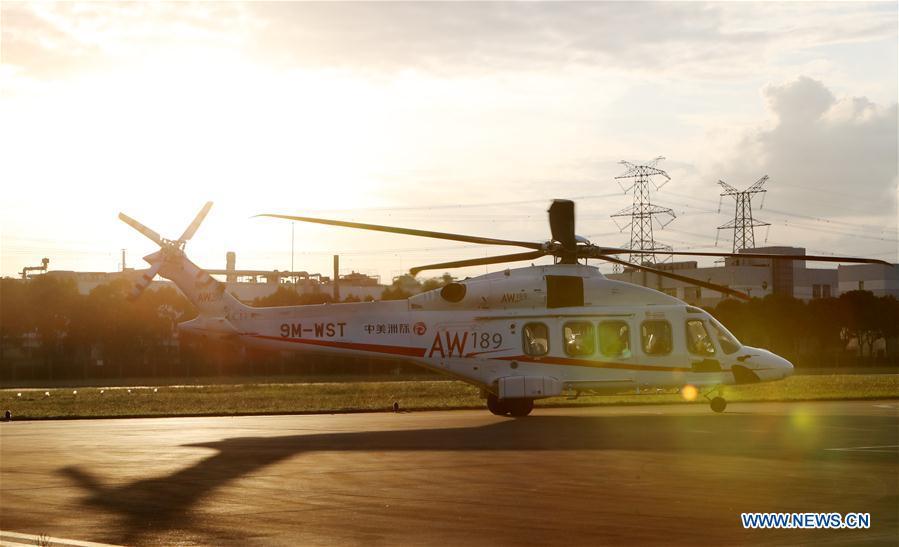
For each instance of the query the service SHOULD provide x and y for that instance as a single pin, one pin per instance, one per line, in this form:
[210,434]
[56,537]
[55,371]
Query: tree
[822,328]
[868,318]
[51,302]
[288,296]
[888,315]
[403,287]
[13,316]
[437,282]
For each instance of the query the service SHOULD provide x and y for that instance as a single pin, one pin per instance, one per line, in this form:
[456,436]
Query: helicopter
[519,335]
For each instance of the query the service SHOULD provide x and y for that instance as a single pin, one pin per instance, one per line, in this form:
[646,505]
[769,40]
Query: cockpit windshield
[728,342]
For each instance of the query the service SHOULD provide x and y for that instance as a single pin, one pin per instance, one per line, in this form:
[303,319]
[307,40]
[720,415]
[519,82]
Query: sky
[458,117]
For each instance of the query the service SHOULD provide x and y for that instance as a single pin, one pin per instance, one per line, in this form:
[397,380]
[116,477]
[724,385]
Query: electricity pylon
[743,223]
[642,211]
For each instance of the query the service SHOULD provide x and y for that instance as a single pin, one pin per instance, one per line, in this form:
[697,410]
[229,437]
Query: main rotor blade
[411,232]
[192,229]
[150,234]
[810,258]
[684,279]
[479,261]
[591,250]
[561,223]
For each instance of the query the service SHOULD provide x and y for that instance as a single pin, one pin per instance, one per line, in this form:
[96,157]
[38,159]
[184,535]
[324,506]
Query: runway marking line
[45,540]
[894,447]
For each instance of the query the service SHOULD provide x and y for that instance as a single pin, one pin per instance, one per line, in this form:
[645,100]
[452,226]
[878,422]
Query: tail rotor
[150,234]
[192,228]
[168,247]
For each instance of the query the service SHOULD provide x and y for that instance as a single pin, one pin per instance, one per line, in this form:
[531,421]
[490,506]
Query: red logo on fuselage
[454,344]
[420,328]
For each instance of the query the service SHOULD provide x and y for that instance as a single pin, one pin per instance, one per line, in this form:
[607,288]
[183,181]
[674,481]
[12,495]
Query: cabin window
[656,336]
[615,339]
[726,340]
[535,337]
[698,340]
[579,339]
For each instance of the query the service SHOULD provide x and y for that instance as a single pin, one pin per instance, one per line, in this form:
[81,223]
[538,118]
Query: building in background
[88,281]
[246,285]
[760,277]
[877,278]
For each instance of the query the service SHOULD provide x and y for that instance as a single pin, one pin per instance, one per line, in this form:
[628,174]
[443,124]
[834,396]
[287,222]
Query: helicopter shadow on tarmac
[163,502]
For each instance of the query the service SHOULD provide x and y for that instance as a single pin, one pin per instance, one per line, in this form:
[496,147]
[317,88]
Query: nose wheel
[717,403]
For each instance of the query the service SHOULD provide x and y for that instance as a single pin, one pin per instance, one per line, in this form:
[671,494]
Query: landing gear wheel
[718,404]
[520,407]
[495,406]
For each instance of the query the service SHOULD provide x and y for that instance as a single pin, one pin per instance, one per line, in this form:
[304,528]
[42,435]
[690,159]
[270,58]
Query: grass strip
[334,397]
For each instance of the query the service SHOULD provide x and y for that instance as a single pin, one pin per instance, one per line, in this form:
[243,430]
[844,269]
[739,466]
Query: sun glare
[198,125]
[689,392]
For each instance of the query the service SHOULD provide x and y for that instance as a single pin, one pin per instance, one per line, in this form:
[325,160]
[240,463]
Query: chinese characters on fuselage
[386,328]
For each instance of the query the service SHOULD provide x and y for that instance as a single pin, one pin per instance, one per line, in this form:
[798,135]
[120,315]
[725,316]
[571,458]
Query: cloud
[824,143]
[799,103]
[527,100]
[833,169]
[699,40]
[57,40]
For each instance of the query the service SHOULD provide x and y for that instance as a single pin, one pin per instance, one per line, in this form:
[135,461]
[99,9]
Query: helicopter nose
[764,366]
[778,367]
[785,367]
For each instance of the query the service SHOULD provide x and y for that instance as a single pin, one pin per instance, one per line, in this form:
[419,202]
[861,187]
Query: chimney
[230,262]
[336,281]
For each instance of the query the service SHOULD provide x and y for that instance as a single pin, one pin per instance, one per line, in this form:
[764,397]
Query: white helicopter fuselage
[531,332]
[519,334]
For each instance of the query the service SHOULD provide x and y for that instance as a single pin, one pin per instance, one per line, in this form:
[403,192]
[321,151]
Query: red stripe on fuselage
[376,348]
[420,352]
[567,361]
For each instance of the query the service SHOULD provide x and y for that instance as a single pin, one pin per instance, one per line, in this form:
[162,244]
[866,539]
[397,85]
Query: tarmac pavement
[569,476]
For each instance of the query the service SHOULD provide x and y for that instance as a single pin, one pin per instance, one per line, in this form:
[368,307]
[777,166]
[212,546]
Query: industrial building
[247,285]
[880,280]
[760,277]
[757,277]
